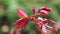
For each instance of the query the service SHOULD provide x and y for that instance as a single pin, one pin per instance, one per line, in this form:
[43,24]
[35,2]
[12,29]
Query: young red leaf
[33,10]
[15,23]
[44,10]
[44,30]
[21,13]
[14,32]
[40,26]
[21,23]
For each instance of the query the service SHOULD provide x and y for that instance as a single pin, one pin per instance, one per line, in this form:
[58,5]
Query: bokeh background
[8,14]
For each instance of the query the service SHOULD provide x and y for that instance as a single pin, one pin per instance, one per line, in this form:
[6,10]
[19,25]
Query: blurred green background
[8,13]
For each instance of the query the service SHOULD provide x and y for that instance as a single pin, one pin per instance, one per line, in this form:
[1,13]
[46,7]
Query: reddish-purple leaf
[15,23]
[44,10]
[21,13]
[21,23]
[44,30]
[14,32]
[40,26]
[33,10]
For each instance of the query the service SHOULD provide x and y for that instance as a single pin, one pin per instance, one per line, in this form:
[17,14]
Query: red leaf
[40,26]
[44,30]
[14,32]
[21,23]
[15,23]
[33,10]
[21,13]
[44,10]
